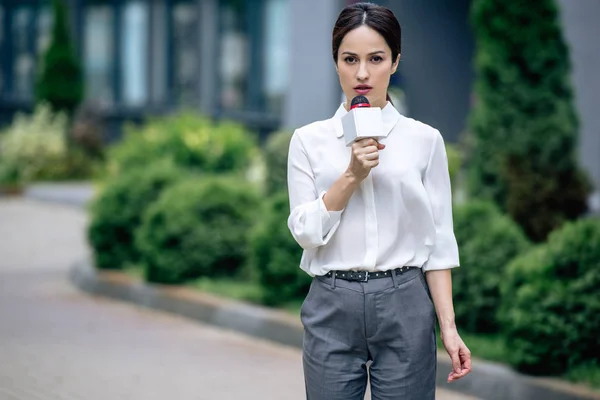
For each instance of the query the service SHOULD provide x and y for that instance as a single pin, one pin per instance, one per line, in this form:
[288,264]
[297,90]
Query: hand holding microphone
[365,156]
[361,128]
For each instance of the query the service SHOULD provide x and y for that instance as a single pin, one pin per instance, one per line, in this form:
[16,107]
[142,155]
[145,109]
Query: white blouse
[400,215]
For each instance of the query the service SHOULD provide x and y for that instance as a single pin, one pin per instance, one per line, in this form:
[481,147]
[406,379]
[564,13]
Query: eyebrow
[354,54]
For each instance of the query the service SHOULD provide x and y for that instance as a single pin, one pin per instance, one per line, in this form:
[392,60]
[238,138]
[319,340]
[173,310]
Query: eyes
[353,60]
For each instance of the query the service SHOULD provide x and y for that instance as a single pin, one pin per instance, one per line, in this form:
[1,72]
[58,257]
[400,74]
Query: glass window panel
[23,61]
[234,54]
[185,52]
[134,53]
[2,48]
[98,53]
[276,54]
[44,29]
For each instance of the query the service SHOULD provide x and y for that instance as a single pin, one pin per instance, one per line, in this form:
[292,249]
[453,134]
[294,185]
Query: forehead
[363,40]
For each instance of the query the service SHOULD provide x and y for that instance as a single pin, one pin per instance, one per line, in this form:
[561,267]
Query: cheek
[345,76]
[382,75]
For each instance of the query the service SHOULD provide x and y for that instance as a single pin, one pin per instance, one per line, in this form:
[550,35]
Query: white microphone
[362,121]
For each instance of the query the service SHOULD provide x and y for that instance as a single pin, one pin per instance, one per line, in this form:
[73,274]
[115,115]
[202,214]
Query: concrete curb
[75,194]
[487,381]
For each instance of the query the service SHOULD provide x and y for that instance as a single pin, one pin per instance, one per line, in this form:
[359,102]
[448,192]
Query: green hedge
[118,210]
[276,156]
[276,255]
[199,227]
[487,241]
[551,303]
[189,140]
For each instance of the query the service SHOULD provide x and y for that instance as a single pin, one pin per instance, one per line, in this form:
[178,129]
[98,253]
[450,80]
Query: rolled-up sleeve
[437,184]
[310,223]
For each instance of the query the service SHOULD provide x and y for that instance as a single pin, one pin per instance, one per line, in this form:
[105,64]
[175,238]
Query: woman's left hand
[458,352]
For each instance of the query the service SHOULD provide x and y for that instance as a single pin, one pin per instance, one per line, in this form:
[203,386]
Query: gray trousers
[388,321]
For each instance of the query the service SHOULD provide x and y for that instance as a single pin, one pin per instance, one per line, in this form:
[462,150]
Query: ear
[395,65]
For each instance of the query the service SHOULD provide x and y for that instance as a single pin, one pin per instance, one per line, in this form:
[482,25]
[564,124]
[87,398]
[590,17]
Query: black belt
[364,276]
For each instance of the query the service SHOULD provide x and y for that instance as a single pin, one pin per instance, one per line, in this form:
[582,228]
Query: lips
[362,89]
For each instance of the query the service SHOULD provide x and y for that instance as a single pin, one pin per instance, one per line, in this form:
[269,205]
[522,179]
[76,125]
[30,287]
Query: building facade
[266,63]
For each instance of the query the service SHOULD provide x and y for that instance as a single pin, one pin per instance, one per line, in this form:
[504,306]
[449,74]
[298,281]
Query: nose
[363,73]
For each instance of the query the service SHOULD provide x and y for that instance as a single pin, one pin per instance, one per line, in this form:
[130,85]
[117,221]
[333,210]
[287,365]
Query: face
[365,66]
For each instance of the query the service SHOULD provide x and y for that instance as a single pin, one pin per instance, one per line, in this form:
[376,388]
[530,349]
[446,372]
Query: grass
[588,374]
[134,271]
[230,288]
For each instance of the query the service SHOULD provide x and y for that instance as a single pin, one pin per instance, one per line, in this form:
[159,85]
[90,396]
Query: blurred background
[165,113]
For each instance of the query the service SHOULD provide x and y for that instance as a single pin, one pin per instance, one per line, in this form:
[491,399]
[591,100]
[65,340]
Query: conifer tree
[524,126]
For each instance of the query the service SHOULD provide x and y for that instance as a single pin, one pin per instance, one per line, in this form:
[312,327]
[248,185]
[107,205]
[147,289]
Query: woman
[375,223]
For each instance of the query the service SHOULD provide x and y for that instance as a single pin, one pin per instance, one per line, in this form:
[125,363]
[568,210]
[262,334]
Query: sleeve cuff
[329,219]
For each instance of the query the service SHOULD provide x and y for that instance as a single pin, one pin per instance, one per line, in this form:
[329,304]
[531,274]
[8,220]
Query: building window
[99,53]
[134,53]
[23,57]
[184,42]
[3,49]
[276,54]
[234,54]
[44,29]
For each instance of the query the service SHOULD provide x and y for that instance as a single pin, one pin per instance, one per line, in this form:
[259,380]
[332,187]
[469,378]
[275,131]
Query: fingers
[369,142]
[365,156]
[370,156]
[453,376]
[456,367]
[366,142]
[464,356]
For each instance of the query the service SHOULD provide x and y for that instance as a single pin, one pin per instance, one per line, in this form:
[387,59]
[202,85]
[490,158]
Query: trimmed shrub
[551,307]
[60,81]
[276,158]
[488,241]
[118,210]
[189,140]
[524,122]
[276,255]
[454,162]
[199,227]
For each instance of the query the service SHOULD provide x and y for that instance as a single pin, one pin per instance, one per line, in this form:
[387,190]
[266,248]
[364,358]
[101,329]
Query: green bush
[551,307]
[276,156]
[455,162]
[276,255]
[34,148]
[199,227]
[189,140]
[117,212]
[524,123]
[60,81]
[488,241]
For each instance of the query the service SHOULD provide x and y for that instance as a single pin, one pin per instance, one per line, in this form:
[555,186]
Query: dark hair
[379,18]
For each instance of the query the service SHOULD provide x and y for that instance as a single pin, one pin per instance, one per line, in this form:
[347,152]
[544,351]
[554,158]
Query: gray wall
[436,67]
[581,29]
[314,92]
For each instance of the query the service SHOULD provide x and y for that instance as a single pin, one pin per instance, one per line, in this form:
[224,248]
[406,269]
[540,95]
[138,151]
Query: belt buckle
[366,276]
